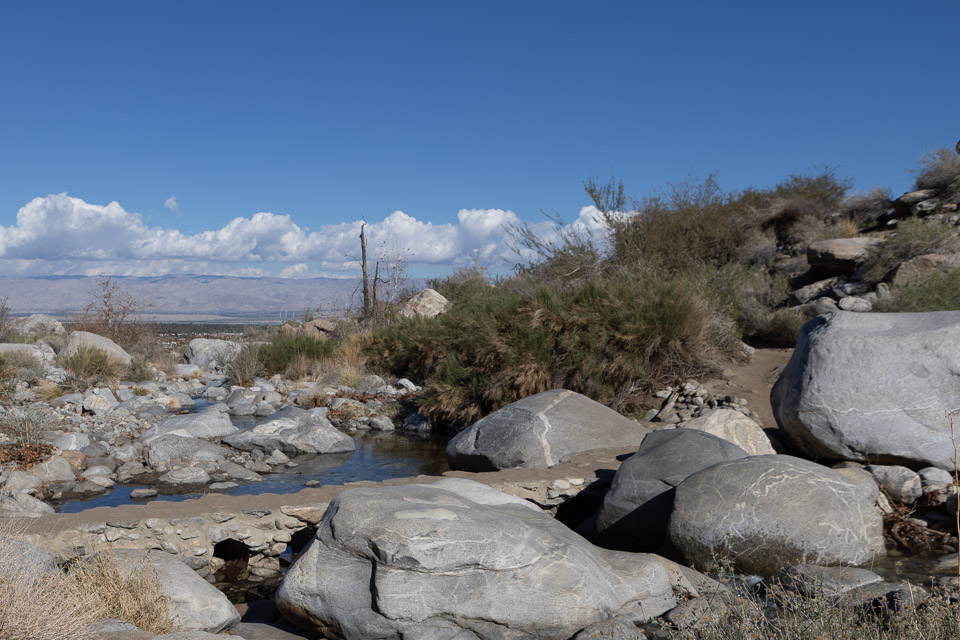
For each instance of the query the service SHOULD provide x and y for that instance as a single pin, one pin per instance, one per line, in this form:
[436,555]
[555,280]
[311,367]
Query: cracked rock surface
[768,512]
[425,561]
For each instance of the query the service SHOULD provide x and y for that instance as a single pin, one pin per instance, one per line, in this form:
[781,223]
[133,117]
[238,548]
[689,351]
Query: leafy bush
[940,170]
[911,239]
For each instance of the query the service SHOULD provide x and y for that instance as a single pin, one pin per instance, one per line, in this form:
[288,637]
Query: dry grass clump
[131,596]
[41,601]
[940,170]
[940,291]
[814,614]
[868,207]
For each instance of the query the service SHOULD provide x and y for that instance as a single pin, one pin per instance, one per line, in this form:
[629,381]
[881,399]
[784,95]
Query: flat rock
[295,431]
[764,513]
[417,561]
[209,423]
[873,388]
[839,256]
[538,431]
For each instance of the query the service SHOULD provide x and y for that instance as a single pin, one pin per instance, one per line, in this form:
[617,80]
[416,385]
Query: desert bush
[91,365]
[602,339]
[245,365]
[940,291]
[940,170]
[113,312]
[26,425]
[297,350]
[912,238]
[868,207]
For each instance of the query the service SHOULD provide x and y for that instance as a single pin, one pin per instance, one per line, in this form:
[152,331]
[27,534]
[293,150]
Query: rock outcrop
[426,304]
[84,339]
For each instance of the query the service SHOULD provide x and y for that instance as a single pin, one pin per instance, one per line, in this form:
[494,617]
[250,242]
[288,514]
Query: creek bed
[378,457]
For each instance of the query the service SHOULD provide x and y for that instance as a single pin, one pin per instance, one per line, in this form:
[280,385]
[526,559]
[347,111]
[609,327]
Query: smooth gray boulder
[36,326]
[211,355]
[417,561]
[426,304]
[764,513]
[293,431]
[636,510]
[873,388]
[209,423]
[193,603]
[84,339]
[72,441]
[538,431]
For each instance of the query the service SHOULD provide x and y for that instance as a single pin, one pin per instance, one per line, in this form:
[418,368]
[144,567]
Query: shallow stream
[379,456]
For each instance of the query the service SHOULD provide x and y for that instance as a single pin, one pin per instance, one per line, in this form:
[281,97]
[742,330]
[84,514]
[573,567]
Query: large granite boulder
[36,326]
[764,513]
[211,355]
[293,431]
[84,339]
[209,423]
[636,510]
[426,304]
[538,431]
[193,603]
[418,561]
[918,269]
[839,256]
[873,388]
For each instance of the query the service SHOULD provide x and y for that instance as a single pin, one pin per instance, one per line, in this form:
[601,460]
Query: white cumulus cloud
[61,235]
[172,204]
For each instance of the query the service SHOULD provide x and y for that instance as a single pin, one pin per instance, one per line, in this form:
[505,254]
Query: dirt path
[753,381]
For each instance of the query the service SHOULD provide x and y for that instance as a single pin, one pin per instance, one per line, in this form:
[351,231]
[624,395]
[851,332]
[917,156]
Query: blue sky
[275,126]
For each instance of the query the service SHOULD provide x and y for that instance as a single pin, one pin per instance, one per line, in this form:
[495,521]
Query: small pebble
[312,483]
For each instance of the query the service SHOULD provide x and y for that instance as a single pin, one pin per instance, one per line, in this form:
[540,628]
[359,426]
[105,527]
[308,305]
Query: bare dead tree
[367,306]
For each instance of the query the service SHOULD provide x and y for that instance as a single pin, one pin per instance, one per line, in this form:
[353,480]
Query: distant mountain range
[187,294]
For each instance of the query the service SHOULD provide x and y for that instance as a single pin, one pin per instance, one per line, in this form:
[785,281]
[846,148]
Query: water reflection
[378,456]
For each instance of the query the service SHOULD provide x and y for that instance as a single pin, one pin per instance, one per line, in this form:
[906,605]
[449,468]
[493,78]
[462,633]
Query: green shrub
[912,238]
[938,292]
[284,351]
[602,339]
[90,364]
